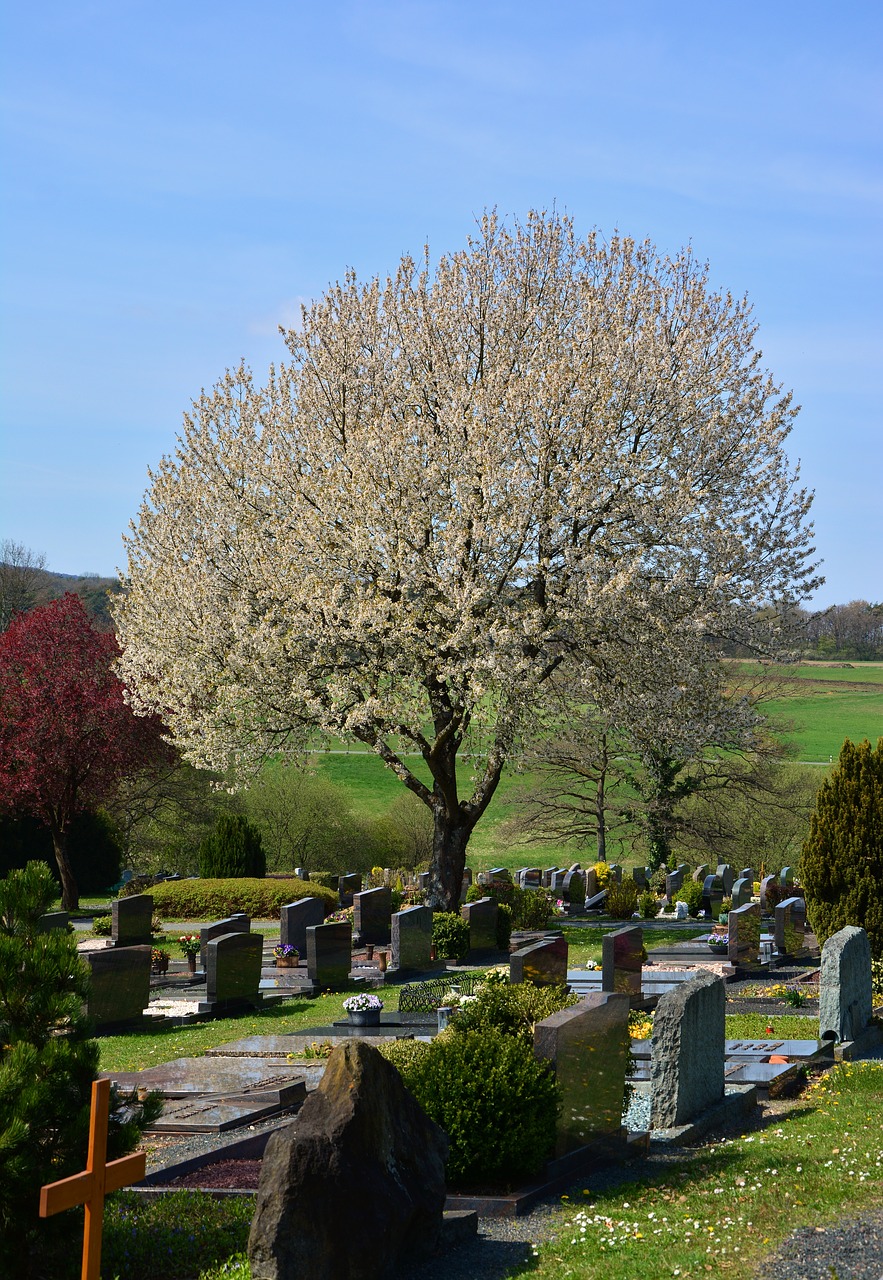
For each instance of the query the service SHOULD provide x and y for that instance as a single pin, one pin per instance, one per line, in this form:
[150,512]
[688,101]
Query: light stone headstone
[589,1047]
[701,872]
[591,882]
[330,953]
[845,989]
[233,970]
[120,987]
[687,1052]
[131,918]
[372,915]
[294,920]
[481,916]
[622,960]
[742,892]
[743,934]
[543,963]
[411,938]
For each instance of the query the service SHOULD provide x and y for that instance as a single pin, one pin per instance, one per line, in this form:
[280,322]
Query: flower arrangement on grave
[719,941]
[159,960]
[344,916]
[560,907]
[285,951]
[189,944]
[364,1002]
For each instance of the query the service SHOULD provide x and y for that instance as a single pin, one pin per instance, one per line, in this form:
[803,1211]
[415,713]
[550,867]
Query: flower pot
[382,957]
[369,950]
[716,947]
[191,964]
[364,1018]
[285,962]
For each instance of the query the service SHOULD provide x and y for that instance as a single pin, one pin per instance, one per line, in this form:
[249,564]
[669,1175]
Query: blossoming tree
[463,480]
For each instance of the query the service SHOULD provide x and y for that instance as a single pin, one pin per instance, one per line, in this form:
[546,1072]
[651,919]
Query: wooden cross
[97,1180]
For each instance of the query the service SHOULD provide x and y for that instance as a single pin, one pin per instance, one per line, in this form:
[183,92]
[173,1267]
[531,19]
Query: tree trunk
[70,894]
[450,838]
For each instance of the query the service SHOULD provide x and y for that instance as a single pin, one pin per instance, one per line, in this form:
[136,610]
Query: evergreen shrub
[514,1008]
[531,908]
[450,934]
[691,893]
[622,899]
[648,905]
[215,899]
[504,926]
[234,848]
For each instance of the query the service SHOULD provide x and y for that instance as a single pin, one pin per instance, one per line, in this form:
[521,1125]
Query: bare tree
[20,573]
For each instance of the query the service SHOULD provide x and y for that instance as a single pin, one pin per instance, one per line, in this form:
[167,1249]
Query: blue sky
[177,178]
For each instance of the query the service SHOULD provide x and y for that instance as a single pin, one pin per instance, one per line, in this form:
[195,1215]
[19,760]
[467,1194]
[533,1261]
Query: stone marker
[687,1052]
[500,873]
[120,990]
[769,893]
[615,872]
[239,922]
[131,920]
[543,963]
[790,927]
[294,920]
[574,887]
[674,882]
[372,917]
[786,878]
[411,938]
[639,875]
[589,1046]
[845,991]
[347,887]
[481,916]
[355,1187]
[622,960]
[556,880]
[330,953]
[532,878]
[233,971]
[301,873]
[727,877]
[701,872]
[712,896]
[743,889]
[743,933]
[746,874]
[52,920]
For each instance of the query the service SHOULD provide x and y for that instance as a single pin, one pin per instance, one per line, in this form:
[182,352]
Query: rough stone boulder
[356,1183]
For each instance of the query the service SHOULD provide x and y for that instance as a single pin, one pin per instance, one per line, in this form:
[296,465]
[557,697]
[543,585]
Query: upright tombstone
[743,934]
[574,888]
[743,889]
[519,876]
[52,920]
[120,988]
[548,877]
[301,873]
[500,873]
[543,963]
[591,882]
[329,953]
[481,916]
[786,879]
[294,920]
[622,960]
[845,990]
[615,872]
[674,882]
[347,887]
[746,874]
[727,877]
[556,880]
[532,878]
[639,875]
[687,1051]
[701,872]
[233,972]
[131,918]
[411,939]
[239,922]
[789,930]
[372,916]
[588,1045]
[712,896]
[769,893]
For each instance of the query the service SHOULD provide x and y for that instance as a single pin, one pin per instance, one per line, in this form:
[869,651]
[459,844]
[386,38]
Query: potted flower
[286,955]
[159,960]
[363,1010]
[719,942]
[190,944]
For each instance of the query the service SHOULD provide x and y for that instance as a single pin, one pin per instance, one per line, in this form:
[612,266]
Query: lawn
[827,716]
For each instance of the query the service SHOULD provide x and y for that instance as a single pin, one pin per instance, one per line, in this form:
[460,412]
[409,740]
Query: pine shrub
[842,862]
[234,849]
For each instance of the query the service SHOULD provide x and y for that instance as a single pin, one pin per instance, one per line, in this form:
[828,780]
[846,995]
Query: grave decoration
[364,1009]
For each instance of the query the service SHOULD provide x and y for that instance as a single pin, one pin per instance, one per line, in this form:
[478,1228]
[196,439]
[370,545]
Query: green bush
[215,899]
[234,849]
[622,899]
[472,1085]
[513,1008]
[504,926]
[691,893]
[531,908]
[102,926]
[328,879]
[648,905]
[842,863]
[450,934]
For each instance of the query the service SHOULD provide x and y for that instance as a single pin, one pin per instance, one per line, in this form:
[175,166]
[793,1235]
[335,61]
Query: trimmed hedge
[512,1008]
[215,899]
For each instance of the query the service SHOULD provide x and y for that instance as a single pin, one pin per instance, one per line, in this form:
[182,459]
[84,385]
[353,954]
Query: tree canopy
[545,452]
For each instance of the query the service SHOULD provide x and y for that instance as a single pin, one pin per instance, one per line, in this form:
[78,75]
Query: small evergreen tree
[233,850]
[842,864]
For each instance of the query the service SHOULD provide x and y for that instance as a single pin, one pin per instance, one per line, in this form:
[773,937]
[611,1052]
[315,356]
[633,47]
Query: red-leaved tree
[67,737]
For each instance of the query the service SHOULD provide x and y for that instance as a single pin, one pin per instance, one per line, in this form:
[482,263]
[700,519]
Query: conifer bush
[842,861]
[233,849]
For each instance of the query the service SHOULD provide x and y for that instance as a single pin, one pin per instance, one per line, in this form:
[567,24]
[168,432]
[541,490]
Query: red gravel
[232,1175]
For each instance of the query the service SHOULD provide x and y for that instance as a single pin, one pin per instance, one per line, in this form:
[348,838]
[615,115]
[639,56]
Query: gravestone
[622,960]
[120,988]
[701,872]
[549,877]
[743,933]
[674,882]
[588,1044]
[239,922]
[687,1052]
[423,881]
[233,972]
[845,990]
[746,874]
[556,880]
[411,938]
[52,920]
[347,887]
[727,877]
[294,920]
[743,889]
[615,872]
[543,963]
[467,876]
[789,930]
[481,916]
[329,953]
[786,879]
[532,878]
[301,873]
[769,894]
[131,919]
[372,917]
[500,873]
[591,882]
[639,875]
[712,896]
[574,888]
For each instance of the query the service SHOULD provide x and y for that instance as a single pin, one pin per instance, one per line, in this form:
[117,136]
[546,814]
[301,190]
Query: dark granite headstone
[712,896]
[622,960]
[239,922]
[543,963]
[294,920]
[639,875]
[790,927]
[500,873]
[786,878]
[687,1052]
[423,880]
[574,888]
[131,919]
[411,938]
[233,970]
[589,1047]
[372,918]
[556,880]
[746,874]
[727,876]
[120,990]
[52,920]
[769,900]
[674,882]
[347,887]
[743,934]
[330,953]
[743,889]
[615,872]
[481,916]
[532,878]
